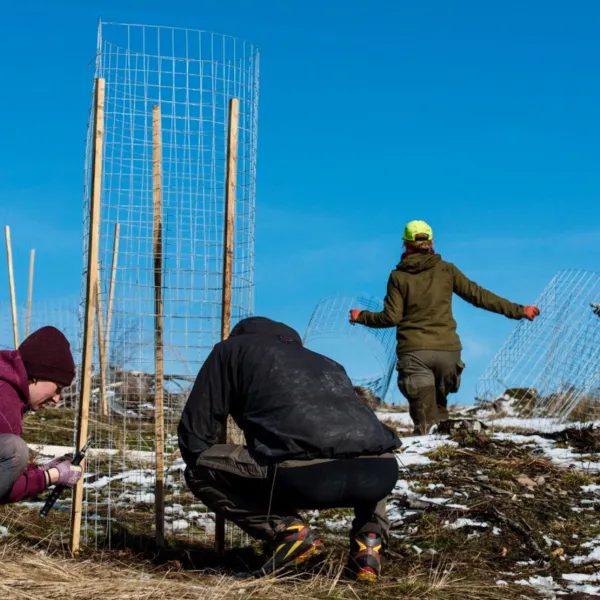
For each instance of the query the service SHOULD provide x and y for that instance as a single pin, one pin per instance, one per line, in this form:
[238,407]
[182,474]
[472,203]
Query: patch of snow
[544,585]
[581,577]
[138,497]
[540,424]
[496,531]
[459,523]
[593,556]
[415,447]
[402,486]
[564,457]
[136,476]
[175,509]
[549,541]
[591,590]
[410,460]
[177,525]
[501,582]
[591,488]
[401,418]
[442,501]
[396,516]
[3,531]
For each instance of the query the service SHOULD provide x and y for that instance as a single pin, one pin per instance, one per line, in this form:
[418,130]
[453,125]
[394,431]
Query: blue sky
[481,118]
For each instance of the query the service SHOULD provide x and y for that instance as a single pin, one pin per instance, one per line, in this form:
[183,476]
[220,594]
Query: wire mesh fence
[62,313]
[191,76]
[369,354]
[550,368]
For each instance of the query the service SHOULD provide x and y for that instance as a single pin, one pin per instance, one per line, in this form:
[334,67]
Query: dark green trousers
[425,378]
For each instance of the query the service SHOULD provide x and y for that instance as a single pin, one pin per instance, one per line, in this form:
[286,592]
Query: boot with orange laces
[365,556]
[295,545]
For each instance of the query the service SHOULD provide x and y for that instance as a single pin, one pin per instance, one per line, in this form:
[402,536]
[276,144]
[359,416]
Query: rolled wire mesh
[191,75]
[329,322]
[551,366]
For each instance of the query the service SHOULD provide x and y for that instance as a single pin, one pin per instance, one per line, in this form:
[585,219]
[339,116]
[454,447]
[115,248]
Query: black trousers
[258,498]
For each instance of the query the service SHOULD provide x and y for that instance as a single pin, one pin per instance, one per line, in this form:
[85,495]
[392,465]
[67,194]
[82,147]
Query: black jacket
[290,402]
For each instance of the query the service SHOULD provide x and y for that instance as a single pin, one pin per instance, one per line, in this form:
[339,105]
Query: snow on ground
[459,523]
[575,582]
[564,457]
[414,448]
[401,418]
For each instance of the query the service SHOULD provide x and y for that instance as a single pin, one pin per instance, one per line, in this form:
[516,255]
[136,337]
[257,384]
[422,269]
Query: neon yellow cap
[415,228]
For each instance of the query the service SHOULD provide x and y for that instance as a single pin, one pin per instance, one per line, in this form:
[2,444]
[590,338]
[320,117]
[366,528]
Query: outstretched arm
[393,309]
[481,298]
[206,409]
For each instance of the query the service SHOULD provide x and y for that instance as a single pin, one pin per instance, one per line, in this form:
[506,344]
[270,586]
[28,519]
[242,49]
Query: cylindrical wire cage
[192,76]
[329,321]
[551,368]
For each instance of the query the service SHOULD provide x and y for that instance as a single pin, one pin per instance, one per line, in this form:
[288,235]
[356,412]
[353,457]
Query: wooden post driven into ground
[111,293]
[228,242]
[101,347]
[29,292]
[90,301]
[11,285]
[159,423]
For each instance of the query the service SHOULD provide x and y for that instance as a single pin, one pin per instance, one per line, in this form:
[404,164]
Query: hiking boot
[295,545]
[365,557]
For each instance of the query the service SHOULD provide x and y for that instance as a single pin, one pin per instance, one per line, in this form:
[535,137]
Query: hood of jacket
[12,372]
[416,263]
[264,326]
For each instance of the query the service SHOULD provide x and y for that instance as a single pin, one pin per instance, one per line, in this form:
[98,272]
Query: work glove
[531,312]
[354,314]
[68,474]
[52,464]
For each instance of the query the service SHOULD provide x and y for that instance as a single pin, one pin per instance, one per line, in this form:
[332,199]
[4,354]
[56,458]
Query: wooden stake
[29,292]
[228,242]
[111,293]
[90,297]
[101,346]
[11,285]
[159,424]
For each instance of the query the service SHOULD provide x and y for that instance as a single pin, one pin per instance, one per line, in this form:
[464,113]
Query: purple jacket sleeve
[11,418]
[31,483]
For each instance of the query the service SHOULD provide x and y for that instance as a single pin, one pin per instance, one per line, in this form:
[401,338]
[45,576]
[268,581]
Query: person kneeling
[312,443]
[31,378]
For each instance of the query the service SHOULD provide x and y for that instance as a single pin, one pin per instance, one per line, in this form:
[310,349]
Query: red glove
[354,314]
[531,312]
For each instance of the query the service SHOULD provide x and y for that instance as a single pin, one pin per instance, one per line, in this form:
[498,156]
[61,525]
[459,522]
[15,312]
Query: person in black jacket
[311,443]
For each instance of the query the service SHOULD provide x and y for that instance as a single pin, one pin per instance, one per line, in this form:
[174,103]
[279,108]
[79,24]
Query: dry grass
[29,573]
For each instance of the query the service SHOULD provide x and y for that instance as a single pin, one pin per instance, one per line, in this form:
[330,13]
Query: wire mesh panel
[551,367]
[191,76]
[62,313]
[369,355]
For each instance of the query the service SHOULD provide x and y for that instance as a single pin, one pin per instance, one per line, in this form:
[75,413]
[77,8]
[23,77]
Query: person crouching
[312,443]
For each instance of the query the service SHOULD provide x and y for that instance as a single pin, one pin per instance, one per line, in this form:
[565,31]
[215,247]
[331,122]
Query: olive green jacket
[419,303]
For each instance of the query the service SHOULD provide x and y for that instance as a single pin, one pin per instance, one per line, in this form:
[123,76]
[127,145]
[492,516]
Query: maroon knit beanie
[46,354]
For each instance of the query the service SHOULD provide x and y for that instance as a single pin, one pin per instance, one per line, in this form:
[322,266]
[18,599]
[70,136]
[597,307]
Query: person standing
[418,303]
